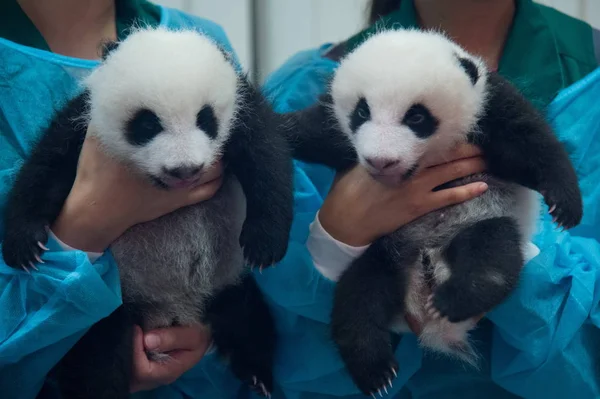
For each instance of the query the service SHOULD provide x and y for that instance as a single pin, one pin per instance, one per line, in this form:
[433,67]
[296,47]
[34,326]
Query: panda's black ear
[108,47]
[470,68]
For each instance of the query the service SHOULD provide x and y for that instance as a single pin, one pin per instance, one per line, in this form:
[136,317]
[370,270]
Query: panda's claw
[263,389]
[552,208]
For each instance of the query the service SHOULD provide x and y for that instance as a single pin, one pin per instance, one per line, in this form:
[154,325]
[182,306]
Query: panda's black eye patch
[360,115]
[419,120]
[207,121]
[143,127]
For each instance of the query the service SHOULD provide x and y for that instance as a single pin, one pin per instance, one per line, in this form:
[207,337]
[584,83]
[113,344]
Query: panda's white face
[164,101]
[406,95]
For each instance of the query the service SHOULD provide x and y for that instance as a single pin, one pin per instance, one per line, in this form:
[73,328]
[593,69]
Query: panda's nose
[184,172]
[382,164]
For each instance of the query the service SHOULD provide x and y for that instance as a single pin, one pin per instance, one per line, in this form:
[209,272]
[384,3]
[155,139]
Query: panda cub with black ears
[169,104]
[402,97]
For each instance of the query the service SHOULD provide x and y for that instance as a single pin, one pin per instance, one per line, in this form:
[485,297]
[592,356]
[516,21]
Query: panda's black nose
[184,172]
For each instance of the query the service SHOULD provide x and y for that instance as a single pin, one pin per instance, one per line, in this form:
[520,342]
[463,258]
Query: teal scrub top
[544,340]
[43,314]
[16,26]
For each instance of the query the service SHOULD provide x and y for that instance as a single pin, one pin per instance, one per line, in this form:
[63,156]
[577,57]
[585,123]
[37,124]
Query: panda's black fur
[520,149]
[226,298]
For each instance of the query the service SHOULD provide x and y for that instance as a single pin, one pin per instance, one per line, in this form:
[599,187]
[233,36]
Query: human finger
[441,174]
[461,151]
[456,195]
[141,364]
[204,191]
[211,173]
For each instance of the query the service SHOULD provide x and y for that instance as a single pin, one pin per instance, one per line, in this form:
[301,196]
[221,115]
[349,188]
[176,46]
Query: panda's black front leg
[367,298]
[244,332]
[520,146]
[260,157]
[41,187]
[315,137]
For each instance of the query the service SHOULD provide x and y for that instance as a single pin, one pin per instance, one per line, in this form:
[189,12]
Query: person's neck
[75,28]
[479,26]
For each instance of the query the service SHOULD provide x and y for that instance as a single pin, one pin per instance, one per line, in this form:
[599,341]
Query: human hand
[107,199]
[185,346]
[359,209]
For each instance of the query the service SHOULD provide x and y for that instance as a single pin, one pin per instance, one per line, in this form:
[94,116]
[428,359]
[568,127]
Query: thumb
[176,338]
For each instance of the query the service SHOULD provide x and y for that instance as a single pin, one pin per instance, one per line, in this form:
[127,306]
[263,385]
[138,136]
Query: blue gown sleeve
[543,341]
[546,339]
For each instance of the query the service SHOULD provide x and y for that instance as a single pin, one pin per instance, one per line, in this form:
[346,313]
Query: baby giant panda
[169,104]
[400,98]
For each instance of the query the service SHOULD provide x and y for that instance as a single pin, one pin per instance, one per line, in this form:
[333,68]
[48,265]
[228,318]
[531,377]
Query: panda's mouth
[167,183]
[393,179]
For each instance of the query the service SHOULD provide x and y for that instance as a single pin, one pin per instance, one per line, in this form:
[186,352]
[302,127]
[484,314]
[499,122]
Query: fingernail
[151,341]
[482,186]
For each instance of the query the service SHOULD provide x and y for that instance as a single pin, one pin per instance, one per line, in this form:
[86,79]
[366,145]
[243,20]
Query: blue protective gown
[43,314]
[542,342]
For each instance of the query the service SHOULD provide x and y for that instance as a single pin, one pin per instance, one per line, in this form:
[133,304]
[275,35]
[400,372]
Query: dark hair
[380,8]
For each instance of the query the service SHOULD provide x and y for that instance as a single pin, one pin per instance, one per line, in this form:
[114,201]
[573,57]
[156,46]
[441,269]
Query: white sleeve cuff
[330,256]
[93,256]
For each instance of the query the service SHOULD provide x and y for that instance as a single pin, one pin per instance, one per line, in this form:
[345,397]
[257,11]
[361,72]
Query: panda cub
[169,104]
[400,98]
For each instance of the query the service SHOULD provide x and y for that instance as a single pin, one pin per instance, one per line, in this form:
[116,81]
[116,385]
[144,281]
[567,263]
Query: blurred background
[264,33]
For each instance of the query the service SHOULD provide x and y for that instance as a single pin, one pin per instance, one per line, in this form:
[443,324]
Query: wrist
[330,256]
[343,228]
[83,225]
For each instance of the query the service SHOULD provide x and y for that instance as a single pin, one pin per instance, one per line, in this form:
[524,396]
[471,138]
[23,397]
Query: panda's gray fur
[186,243]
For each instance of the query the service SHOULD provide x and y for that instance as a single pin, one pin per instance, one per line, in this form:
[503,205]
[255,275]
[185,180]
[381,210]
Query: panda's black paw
[565,203]
[373,371]
[23,246]
[264,243]
[453,300]
[255,370]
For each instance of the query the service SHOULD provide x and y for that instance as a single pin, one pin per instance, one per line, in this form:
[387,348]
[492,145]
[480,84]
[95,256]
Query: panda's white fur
[395,82]
[145,62]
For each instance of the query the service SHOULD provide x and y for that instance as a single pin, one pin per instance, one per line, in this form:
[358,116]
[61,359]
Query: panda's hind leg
[243,331]
[485,262]
[369,294]
[100,364]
